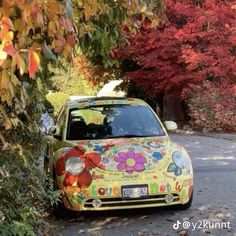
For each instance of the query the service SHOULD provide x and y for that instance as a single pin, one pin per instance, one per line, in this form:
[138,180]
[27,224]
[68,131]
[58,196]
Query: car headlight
[180,160]
[74,165]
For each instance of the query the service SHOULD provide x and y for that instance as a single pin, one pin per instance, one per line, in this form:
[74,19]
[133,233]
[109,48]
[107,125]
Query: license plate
[134,191]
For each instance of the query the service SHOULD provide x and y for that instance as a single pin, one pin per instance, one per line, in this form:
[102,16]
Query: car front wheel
[58,207]
[186,205]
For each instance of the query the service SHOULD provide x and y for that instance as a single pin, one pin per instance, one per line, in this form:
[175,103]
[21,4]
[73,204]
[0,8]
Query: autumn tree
[196,42]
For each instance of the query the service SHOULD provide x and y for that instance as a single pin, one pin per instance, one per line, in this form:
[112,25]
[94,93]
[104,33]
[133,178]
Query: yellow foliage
[7,124]
[20,64]
[3,55]
[91,7]
[8,37]
[5,79]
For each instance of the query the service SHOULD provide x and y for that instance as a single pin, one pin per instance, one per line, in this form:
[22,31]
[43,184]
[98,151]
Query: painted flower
[101,148]
[157,156]
[148,166]
[98,148]
[111,165]
[84,179]
[153,144]
[139,147]
[130,161]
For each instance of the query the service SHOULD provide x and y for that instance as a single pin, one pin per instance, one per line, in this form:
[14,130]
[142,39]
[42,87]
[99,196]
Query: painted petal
[122,154]
[73,152]
[92,160]
[121,166]
[70,180]
[157,155]
[139,167]
[130,169]
[171,167]
[130,154]
[80,149]
[178,171]
[140,159]
[121,157]
[60,166]
[84,179]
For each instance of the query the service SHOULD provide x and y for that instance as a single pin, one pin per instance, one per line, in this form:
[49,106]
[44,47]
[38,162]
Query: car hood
[124,154]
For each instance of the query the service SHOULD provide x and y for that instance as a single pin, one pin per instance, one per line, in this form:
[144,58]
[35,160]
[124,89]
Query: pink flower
[130,161]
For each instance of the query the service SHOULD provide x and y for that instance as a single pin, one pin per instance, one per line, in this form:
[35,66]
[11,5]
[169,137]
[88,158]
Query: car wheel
[46,165]
[186,205]
[58,207]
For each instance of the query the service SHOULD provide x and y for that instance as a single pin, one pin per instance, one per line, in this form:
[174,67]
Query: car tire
[58,207]
[186,205]
[46,165]
[60,211]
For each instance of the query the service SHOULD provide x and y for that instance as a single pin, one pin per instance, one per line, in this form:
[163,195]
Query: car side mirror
[53,132]
[170,125]
[50,110]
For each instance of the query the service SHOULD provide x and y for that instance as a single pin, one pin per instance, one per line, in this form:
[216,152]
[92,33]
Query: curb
[225,136]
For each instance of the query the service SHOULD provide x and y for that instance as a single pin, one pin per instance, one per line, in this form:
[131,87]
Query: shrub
[25,192]
[212,105]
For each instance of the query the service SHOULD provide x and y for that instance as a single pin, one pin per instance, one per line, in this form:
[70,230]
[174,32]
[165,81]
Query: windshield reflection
[113,121]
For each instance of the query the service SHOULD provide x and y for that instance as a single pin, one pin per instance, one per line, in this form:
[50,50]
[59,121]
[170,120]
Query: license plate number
[140,191]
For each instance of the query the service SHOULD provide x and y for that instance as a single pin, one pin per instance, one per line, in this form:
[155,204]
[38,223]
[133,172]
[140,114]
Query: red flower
[108,146]
[84,179]
[60,166]
[70,179]
[92,160]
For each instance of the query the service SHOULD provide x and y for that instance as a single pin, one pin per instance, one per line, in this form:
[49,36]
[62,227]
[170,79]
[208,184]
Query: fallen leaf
[183,232]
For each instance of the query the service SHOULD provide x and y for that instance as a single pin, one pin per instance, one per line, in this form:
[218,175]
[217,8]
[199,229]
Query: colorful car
[114,153]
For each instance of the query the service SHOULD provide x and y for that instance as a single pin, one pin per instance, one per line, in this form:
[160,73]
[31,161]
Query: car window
[112,121]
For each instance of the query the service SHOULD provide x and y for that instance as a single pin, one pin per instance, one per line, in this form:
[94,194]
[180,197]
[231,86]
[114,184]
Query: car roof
[81,102]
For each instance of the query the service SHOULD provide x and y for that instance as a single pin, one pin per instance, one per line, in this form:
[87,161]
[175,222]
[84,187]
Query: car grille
[119,203]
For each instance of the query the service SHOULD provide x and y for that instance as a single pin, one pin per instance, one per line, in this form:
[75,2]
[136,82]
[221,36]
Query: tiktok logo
[176,225]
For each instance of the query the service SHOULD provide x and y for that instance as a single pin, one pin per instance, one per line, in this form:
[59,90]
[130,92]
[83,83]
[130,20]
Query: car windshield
[113,121]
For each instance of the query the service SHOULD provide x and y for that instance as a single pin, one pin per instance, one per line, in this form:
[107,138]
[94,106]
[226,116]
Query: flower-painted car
[114,153]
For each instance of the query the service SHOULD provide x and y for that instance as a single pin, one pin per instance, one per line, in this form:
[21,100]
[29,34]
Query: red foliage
[212,106]
[196,42]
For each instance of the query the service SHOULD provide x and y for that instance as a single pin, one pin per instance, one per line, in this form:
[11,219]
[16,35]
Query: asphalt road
[213,211]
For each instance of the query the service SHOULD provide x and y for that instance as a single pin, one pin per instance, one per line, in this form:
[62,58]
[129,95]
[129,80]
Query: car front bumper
[109,195]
